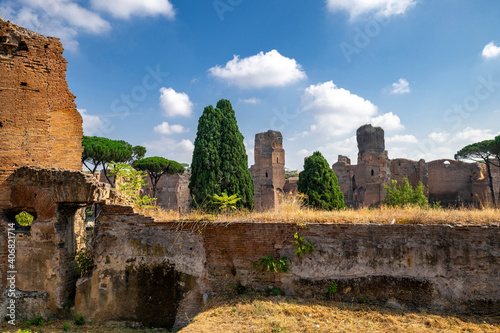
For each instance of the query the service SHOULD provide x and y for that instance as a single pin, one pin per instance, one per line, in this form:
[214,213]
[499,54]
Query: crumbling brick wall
[39,123]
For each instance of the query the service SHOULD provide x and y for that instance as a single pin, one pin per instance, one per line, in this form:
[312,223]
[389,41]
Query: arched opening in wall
[22,218]
[267,175]
[373,173]
[277,159]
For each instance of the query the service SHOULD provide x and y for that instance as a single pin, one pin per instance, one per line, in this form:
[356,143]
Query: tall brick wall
[39,123]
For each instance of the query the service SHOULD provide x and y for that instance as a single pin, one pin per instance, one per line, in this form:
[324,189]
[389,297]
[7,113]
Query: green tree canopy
[319,182]
[138,152]
[102,151]
[483,151]
[220,162]
[156,167]
[404,194]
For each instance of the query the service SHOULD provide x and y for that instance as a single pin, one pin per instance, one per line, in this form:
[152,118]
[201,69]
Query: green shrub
[332,289]
[302,245]
[269,263]
[79,319]
[66,326]
[404,195]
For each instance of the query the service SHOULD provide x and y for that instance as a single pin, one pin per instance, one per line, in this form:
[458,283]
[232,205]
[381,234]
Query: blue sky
[428,72]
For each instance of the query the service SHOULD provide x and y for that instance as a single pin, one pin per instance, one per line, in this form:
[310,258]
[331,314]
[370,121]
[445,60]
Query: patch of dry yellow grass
[288,314]
[293,210]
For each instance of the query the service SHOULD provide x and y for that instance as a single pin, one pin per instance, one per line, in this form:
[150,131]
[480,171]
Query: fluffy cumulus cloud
[357,8]
[336,111]
[400,87]
[126,8]
[166,129]
[94,125]
[66,19]
[175,103]
[180,151]
[491,51]
[269,69]
[388,121]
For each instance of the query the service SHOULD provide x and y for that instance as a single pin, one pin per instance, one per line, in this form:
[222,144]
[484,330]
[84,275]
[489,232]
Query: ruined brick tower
[39,123]
[372,171]
[268,172]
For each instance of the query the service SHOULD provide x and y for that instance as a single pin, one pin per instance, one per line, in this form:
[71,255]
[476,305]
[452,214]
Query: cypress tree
[320,184]
[235,176]
[205,167]
[220,162]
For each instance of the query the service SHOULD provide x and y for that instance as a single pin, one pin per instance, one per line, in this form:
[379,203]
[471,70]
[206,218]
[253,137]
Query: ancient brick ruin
[446,181]
[268,172]
[159,274]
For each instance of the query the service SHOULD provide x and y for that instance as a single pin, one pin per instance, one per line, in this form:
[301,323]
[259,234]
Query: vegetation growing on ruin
[292,209]
[131,183]
[402,195]
[24,218]
[319,182]
[220,162]
[269,263]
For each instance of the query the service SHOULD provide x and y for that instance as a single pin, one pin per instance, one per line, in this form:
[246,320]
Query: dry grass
[293,210]
[287,314]
[256,313]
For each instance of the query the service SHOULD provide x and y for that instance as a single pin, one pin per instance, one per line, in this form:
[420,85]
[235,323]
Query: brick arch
[29,196]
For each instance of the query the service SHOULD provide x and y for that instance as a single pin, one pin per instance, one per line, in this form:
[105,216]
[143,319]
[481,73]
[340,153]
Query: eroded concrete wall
[157,274]
[145,273]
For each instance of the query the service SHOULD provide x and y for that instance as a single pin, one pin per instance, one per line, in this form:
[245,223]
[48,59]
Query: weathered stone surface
[370,140]
[144,272]
[39,123]
[446,181]
[268,172]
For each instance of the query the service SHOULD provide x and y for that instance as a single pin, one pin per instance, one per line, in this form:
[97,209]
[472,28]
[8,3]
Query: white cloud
[252,100]
[384,8]
[269,69]
[491,51]
[71,13]
[336,111]
[126,8]
[166,129]
[439,137]
[94,125]
[439,144]
[471,135]
[180,151]
[402,139]
[400,87]
[388,121]
[174,103]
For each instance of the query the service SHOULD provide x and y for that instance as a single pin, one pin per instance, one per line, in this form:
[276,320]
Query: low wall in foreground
[158,274]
